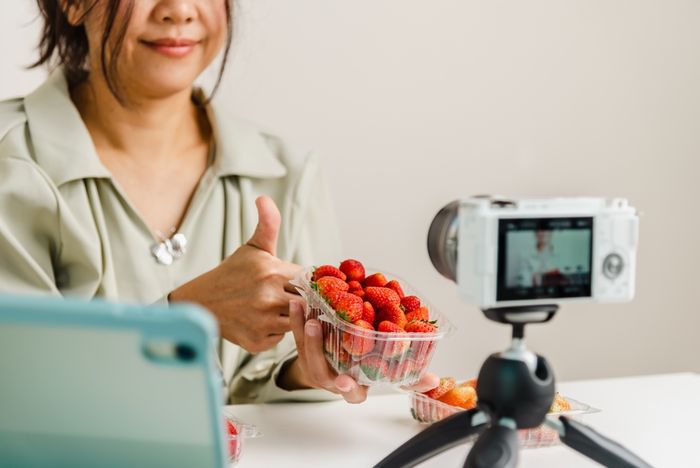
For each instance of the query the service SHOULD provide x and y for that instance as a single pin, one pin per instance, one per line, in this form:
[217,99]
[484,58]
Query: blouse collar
[64,149]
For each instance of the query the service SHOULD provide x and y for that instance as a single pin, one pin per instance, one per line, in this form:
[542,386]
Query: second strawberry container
[372,357]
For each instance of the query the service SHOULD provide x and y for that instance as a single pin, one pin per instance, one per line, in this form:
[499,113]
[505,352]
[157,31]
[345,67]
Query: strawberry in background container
[375,329]
[451,397]
[236,435]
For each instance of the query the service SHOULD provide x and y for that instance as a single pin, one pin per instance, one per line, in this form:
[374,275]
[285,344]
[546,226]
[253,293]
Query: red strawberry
[390,348]
[354,270]
[329,283]
[446,384]
[470,383]
[328,270]
[358,344]
[358,292]
[420,314]
[379,297]
[374,367]
[402,370]
[421,327]
[392,313]
[410,303]
[233,445]
[376,279]
[348,307]
[354,284]
[393,284]
[368,314]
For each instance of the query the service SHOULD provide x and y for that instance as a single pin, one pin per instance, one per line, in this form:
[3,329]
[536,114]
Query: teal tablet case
[95,384]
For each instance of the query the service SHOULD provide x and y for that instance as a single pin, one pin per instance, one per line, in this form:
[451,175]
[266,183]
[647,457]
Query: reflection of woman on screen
[538,268]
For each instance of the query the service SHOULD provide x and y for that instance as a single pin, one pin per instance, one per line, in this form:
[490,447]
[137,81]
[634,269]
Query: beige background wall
[415,103]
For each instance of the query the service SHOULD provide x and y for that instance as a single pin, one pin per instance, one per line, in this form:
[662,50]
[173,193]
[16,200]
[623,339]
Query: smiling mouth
[171,47]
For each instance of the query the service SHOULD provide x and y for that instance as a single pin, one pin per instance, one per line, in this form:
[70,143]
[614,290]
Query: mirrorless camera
[518,251]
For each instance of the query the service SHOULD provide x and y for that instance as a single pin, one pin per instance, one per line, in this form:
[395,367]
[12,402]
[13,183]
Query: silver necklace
[169,247]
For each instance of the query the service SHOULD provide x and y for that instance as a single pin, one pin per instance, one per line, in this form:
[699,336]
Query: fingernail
[344,387]
[312,329]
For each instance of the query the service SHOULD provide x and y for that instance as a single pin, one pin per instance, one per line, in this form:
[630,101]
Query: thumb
[267,231]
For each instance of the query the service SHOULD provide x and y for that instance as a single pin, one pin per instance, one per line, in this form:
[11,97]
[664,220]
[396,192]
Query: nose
[175,11]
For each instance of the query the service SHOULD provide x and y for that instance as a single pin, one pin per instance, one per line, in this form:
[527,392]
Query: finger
[351,391]
[267,230]
[296,322]
[313,354]
[291,289]
[427,382]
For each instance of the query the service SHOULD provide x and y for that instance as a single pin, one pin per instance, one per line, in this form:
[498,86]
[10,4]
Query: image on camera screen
[542,258]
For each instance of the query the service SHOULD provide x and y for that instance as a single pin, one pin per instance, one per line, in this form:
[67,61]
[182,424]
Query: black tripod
[515,390]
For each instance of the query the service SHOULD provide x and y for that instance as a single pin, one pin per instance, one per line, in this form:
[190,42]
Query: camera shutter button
[613,265]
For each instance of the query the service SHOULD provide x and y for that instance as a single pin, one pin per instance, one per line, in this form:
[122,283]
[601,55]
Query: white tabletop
[658,417]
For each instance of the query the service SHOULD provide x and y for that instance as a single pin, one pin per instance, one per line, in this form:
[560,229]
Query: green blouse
[66,228]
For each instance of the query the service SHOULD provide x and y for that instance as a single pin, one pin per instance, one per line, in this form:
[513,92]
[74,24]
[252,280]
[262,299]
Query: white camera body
[514,252]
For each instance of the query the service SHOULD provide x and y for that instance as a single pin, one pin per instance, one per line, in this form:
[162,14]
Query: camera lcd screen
[543,258]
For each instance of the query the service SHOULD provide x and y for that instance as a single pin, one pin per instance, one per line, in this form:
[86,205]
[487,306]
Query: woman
[119,180]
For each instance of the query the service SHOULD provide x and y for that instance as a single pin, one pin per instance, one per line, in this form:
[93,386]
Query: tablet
[95,384]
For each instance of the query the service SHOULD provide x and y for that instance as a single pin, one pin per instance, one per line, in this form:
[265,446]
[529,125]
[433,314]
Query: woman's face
[167,43]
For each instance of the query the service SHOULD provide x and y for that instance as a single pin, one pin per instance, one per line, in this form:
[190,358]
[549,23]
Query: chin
[164,84]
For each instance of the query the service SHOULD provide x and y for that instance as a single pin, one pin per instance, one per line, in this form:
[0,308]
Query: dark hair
[67,45]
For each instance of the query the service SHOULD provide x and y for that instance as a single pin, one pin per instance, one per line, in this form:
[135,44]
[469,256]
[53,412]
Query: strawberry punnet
[328,270]
[353,269]
[391,349]
[379,297]
[356,344]
[374,367]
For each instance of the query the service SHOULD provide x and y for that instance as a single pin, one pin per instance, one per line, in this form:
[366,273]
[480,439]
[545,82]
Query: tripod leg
[594,445]
[437,438]
[496,447]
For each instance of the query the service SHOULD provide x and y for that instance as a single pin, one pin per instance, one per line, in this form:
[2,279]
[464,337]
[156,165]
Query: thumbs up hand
[249,291]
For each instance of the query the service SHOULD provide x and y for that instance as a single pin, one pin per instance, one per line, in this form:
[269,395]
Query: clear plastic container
[426,410]
[237,441]
[379,357]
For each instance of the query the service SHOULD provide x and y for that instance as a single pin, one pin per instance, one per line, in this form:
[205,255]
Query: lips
[171,46]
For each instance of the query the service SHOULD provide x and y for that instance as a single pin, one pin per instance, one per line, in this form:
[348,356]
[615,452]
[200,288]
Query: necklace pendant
[168,250]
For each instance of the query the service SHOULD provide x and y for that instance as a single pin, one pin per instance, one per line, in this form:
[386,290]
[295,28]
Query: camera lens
[443,240]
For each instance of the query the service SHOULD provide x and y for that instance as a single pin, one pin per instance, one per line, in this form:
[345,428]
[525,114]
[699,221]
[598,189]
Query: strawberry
[421,327]
[368,312]
[358,344]
[470,383]
[392,313]
[374,367]
[328,270]
[402,370]
[354,284]
[233,445]
[348,307]
[327,284]
[379,297]
[462,396]
[358,292]
[390,348]
[419,314]
[376,279]
[353,269]
[446,384]
[410,303]
[393,284]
